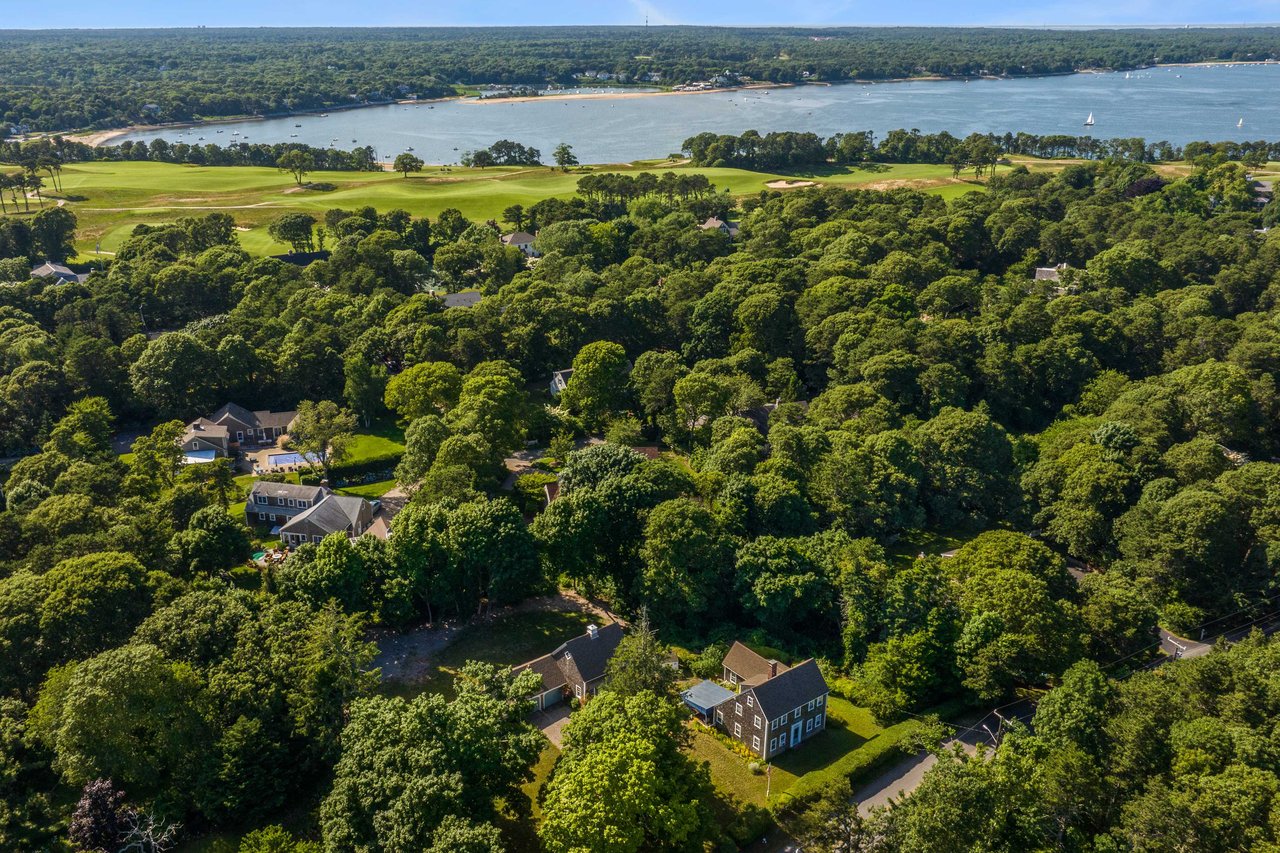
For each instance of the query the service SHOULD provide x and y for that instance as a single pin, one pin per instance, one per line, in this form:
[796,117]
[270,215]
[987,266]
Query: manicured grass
[367,446]
[510,641]
[848,728]
[368,491]
[111,198]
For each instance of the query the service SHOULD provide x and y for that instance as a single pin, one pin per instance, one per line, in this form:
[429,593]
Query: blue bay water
[1173,104]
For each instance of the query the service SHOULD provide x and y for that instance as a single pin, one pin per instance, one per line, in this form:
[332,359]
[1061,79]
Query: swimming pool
[275,460]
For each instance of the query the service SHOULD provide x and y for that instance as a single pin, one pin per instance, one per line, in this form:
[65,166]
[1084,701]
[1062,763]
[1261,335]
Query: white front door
[797,732]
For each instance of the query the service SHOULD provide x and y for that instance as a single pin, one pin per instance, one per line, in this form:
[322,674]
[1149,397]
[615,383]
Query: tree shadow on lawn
[821,750]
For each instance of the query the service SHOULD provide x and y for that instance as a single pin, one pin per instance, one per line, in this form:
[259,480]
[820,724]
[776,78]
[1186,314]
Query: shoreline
[605,96]
[98,138]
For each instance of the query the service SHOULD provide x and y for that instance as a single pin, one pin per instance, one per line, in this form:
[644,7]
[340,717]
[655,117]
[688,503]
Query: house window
[737,730]
[755,743]
[291,504]
[819,700]
[316,539]
[577,690]
[810,704]
[738,708]
[262,516]
[260,498]
[757,721]
[239,435]
[733,679]
[808,725]
[751,701]
[720,716]
[798,711]
[817,721]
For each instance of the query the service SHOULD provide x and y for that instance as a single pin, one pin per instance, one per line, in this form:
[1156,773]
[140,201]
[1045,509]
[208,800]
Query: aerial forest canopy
[64,80]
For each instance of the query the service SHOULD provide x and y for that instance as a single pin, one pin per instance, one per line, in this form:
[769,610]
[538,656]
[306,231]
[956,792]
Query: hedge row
[855,766]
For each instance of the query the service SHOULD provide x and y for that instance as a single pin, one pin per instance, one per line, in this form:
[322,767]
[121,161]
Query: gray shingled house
[262,427]
[331,514]
[776,708]
[277,503]
[576,668]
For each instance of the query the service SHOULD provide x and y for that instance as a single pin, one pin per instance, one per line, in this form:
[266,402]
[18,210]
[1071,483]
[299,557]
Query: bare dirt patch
[410,657]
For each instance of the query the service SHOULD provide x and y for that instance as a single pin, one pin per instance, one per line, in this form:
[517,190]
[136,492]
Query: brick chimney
[773,668]
[593,632]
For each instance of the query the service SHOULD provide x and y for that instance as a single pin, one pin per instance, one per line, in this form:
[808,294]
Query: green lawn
[109,199]
[369,491]
[509,641]
[379,441]
[848,728]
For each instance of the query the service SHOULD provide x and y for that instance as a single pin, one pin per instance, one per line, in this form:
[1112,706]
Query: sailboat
[1240,123]
[1089,121]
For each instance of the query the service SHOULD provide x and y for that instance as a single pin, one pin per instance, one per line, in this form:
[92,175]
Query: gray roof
[461,300]
[790,689]
[287,490]
[706,695]
[204,428]
[257,420]
[518,238]
[52,270]
[591,655]
[548,669]
[747,664]
[334,513]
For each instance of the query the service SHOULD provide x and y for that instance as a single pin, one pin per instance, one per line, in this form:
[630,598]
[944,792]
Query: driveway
[551,722]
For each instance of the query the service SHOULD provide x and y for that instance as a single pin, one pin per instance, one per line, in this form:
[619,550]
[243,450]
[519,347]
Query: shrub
[855,766]
[530,494]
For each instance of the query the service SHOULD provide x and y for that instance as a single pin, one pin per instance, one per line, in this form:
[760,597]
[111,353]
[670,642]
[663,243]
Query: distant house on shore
[715,223]
[522,240]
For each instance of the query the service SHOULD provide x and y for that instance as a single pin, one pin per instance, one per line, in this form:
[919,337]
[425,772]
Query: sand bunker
[788,185]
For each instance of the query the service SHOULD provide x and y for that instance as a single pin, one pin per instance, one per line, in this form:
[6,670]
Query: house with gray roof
[776,708]
[203,436]
[576,668]
[278,503]
[743,666]
[244,426]
[523,241]
[331,514]
[63,274]
[715,223]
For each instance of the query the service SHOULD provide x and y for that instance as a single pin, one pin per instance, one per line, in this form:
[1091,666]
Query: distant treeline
[793,149]
[64,150]
[63,80]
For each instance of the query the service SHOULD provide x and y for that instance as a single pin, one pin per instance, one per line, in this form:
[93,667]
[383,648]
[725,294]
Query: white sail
[1240,123]
[1089,121]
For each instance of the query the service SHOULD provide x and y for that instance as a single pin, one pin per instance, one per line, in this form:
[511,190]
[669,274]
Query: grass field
[109,199]
[848,728]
